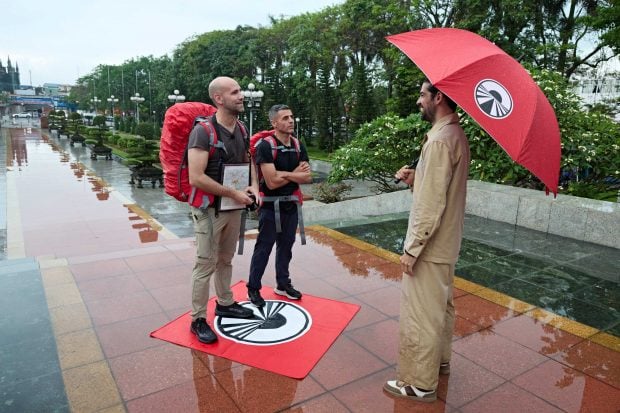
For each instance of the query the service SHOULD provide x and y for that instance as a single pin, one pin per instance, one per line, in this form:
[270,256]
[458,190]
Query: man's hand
[303,167]
[406,263]
[254,191]
[242,198]
[405,174]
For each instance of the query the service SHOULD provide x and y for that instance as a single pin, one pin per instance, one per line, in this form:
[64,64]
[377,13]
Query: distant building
[56,89]
[9,77]
[597,90]
[25,90]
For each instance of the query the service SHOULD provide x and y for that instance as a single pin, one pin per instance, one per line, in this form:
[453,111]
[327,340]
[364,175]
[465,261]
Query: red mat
[287,337]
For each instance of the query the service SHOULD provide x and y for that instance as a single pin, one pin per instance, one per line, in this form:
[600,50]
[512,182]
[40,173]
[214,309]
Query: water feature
[571,278]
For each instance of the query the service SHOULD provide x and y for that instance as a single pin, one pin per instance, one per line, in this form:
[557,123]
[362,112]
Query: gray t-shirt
[236,147]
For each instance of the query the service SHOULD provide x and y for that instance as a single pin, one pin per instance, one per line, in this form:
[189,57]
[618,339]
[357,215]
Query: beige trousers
[216,240]
[426,323]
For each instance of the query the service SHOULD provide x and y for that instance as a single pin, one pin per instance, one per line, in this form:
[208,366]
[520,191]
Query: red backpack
[179,121]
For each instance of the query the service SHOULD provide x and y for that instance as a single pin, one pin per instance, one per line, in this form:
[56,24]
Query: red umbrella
[495,90]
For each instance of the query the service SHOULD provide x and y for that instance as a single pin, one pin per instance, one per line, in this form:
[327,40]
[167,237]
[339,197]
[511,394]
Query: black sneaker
[233,311]
[203,331]
[255,297]
[288,291]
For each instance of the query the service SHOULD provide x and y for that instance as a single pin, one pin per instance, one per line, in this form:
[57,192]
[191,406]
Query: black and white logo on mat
[276,322]
[493,99]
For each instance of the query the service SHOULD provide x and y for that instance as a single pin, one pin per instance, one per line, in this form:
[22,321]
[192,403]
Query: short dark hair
[433,91]
[273,111]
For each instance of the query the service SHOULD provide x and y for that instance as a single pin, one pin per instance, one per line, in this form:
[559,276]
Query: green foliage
[379,149]
[590,148]
[145,129]
[76,121]
[590,140]
[327,192]
[141,151]
[603,191]
[336,63]
[113,139]
[99,120]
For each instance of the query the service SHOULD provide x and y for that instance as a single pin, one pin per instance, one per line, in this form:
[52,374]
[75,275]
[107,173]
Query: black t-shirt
[236,146]
[286,160]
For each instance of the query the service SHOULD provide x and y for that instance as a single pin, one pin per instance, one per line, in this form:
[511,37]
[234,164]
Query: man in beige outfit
[431,250]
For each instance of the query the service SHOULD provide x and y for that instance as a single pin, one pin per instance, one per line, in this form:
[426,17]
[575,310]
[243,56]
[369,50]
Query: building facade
[9,77]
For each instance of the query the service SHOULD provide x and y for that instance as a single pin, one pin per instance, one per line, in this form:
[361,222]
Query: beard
[428,113]
[234,107]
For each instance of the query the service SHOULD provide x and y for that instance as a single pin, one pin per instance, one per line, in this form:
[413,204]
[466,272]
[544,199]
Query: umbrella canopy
[495,90]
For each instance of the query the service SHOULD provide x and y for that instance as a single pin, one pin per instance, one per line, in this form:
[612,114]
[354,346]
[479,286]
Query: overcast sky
[58,41]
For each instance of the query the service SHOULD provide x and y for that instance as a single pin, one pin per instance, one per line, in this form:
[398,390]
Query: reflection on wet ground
[574,279]
[99,272]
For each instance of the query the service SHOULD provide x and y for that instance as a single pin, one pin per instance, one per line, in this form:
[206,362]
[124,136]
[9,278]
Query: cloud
[66,39]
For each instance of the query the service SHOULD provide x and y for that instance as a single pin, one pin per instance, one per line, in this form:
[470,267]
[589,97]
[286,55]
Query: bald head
[226,95]
[220,84]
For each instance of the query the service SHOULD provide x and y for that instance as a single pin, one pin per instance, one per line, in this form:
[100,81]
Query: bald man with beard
[217,231]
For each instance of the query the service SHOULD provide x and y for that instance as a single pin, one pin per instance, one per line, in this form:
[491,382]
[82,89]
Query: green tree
[145,130]
[378,150]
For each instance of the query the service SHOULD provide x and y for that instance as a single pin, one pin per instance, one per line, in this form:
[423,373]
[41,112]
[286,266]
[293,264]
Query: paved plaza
[90,265]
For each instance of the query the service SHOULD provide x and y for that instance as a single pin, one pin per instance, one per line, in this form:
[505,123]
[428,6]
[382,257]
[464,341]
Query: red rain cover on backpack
[254,140]
[178,124]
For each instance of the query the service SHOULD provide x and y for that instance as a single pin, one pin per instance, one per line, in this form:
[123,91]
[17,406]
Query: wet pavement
[91,265]
[575,279]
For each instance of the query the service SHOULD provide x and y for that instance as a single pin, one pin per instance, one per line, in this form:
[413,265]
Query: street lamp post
[297,127]
[112,100]
[138,99]
[252,99]
[175,97]
[345,124]
[95,100]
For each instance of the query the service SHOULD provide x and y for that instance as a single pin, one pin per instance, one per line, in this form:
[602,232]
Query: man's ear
[439,96]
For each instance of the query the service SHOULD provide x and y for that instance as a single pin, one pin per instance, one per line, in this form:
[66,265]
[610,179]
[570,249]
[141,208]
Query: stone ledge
[568,216]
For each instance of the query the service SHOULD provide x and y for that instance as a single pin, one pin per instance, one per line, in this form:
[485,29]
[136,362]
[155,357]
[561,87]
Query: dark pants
[267,236]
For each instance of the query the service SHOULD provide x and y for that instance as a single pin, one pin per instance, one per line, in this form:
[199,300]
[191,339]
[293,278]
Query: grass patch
[314,152]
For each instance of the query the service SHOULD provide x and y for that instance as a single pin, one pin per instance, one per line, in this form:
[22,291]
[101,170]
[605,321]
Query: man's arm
[430,200]
[276,179]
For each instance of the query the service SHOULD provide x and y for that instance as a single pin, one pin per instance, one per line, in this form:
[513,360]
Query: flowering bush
[379,149]
[590,164]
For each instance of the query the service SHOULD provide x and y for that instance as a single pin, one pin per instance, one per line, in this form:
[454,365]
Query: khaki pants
[216,240]
[426,323]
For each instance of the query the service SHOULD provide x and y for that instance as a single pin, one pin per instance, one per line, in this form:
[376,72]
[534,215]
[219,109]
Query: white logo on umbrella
[493,99]
[275,323]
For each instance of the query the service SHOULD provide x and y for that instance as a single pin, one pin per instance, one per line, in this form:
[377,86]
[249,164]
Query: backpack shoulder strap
[297,146]
[273,144]
[214,142]
[244,130]
[246,136]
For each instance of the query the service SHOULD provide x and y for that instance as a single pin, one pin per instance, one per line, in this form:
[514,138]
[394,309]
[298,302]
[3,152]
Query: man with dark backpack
[282,164]
[217,231]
